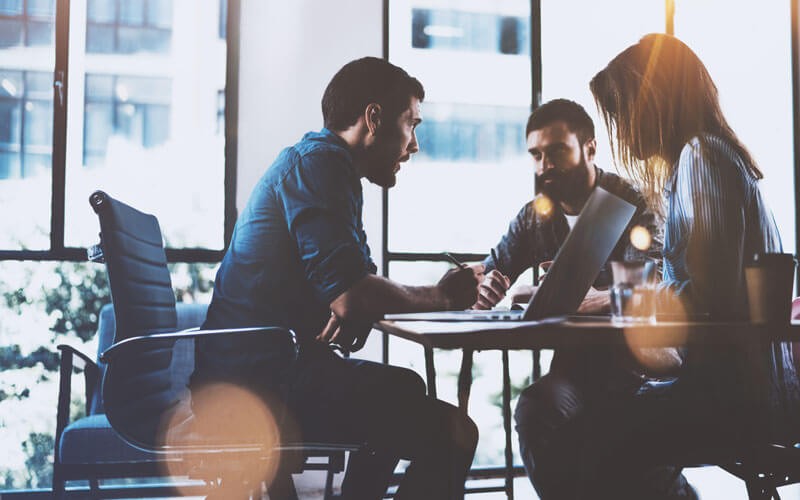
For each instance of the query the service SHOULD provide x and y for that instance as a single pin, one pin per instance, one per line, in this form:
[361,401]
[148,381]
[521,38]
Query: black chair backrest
[138,390]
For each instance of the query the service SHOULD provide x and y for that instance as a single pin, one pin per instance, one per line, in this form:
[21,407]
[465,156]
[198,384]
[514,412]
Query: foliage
[65,297]
[496,399]
[76,301]
[11,358]
[39,465]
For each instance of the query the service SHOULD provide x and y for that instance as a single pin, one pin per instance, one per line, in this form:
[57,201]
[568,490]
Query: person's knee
[470,434]
[546,406]
[409,382]
[463,432]
[404,385]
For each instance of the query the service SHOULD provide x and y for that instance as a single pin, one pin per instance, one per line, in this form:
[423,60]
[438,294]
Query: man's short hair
[365,81]
[570,112]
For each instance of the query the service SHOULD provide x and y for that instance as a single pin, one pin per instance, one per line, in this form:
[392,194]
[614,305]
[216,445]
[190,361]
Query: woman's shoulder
[711,160]
[711,151]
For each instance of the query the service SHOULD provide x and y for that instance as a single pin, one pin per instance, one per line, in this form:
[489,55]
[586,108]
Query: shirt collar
[598,173]
[333,138]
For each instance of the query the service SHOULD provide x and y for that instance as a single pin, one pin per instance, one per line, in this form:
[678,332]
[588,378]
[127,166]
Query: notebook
[578,262]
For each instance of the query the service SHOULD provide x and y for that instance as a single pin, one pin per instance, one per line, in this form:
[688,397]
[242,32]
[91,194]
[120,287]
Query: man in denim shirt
[299,258]
[561,140]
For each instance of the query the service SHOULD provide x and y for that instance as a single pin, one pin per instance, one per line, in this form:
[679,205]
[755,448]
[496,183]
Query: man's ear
[590,149]
[372,116]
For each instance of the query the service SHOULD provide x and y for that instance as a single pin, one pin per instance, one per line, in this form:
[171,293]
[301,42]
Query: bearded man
[561,140]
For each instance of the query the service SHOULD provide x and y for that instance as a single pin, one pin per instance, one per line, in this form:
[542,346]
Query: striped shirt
[717,219]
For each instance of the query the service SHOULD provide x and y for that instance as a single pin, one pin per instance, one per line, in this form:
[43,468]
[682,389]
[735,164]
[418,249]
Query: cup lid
[772,257]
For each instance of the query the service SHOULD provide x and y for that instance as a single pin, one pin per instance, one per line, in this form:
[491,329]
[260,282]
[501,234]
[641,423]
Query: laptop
[575,267]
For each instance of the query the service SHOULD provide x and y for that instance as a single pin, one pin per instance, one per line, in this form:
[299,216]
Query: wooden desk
[573,331]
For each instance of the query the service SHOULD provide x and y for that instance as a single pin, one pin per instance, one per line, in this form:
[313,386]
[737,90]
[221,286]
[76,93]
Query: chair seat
[91,440]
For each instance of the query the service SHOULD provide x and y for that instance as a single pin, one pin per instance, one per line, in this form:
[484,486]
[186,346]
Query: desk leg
[507,427]
[465,380]
[430,371]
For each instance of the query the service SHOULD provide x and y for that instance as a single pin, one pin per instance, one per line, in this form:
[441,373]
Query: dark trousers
[352,401]
[587,435]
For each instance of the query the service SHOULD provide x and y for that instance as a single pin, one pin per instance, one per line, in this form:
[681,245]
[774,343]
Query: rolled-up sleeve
[321,199]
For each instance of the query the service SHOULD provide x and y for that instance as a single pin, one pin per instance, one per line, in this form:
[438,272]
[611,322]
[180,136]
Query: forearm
[373,296]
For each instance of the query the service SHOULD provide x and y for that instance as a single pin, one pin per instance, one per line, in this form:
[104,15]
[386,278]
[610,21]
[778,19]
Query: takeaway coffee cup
[633,292]
[769,280]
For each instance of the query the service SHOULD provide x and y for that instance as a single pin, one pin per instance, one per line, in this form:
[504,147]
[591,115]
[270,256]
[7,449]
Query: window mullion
[59,155]
[231,116]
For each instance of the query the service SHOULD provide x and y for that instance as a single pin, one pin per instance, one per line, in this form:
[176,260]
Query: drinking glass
[633,292]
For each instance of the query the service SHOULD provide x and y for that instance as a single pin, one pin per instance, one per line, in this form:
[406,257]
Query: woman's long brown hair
[656,96]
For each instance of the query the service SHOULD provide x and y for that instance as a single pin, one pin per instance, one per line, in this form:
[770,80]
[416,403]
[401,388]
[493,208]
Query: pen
[454,260]
[494,258]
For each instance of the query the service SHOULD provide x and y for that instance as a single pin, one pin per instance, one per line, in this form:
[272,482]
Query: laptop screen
[578,262]
[575,267]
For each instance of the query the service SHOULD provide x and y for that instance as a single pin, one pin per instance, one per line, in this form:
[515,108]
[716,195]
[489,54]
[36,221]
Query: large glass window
[27,60]
[152,129]
[128,26]
[472,173]
[142,117]
[579,38]
[456,29]
[755,96]
[45,305]
[26,22]
[134,108]
[472,142]
[26,115]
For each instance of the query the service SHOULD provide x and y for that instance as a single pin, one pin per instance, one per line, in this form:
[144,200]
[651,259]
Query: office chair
[142,399]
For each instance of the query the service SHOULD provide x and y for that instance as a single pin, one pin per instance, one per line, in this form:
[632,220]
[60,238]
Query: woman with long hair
[662,111]
[668,132]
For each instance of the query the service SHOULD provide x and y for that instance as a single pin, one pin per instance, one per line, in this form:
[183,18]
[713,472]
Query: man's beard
[382,161]
[567,186]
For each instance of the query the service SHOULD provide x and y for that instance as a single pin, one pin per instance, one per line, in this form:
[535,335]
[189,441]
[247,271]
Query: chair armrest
[87,361]
[73,358]
[91,374]
[133,343]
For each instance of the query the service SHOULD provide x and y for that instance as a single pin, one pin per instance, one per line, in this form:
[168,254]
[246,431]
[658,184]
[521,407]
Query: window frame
[58,251]
[536,95]
[27,19]
[388,256]
[118,24]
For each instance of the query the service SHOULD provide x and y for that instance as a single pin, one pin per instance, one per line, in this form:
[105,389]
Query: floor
[712,483]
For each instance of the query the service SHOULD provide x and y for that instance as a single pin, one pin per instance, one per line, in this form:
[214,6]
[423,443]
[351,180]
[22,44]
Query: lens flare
[543,206]
[643,341]
[641,238]
[232,420]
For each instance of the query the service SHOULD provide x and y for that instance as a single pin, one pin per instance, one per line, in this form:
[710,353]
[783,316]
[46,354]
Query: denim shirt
[297,245]
[533,238]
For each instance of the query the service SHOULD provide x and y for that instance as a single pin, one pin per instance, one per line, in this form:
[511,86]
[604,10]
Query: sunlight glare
[641,238]
[225,416]
[543,206]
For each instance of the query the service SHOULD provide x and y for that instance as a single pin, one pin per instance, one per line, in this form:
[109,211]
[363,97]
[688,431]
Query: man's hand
[349,335]
[596,301]
[492,289]
[459,286]
[332,330]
